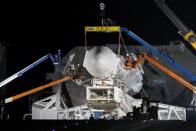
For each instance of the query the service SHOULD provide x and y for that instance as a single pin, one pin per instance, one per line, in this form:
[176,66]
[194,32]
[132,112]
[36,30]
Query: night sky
[33,29]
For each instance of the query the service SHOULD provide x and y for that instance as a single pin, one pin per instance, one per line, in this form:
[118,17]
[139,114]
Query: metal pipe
[20,73]
[160,53]
[18,96]
[170,73]
[170,14]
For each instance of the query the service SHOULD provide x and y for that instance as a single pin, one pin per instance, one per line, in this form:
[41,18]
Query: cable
[119,45]
[85,39]
[124,43]
[144,92]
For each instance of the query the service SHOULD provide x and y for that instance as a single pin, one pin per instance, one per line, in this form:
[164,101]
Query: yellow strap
[102,29]
[194,45]
[186,37]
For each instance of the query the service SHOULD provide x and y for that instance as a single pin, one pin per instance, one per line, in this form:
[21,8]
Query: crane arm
[21,72]
[54,58]
[160,53]
[167,71]
[18,96]
[188,34]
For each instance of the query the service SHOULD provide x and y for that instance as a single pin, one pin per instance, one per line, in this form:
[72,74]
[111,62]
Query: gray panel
[167,90]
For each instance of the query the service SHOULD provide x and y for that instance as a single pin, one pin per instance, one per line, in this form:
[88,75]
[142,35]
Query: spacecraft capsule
[100,62]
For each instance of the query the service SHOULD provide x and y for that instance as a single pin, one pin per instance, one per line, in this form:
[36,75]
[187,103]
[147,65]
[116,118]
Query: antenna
[102,13]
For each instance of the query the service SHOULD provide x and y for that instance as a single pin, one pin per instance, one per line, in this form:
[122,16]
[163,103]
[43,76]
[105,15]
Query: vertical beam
[2,68]
[2,61]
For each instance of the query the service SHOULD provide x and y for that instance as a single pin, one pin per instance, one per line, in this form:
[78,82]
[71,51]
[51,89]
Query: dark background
[33,29]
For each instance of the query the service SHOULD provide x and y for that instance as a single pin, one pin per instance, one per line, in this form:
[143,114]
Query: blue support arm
[55,59]
[160,53]
[26,69]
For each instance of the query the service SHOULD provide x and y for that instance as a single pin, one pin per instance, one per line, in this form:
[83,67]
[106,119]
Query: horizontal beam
[102,29]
